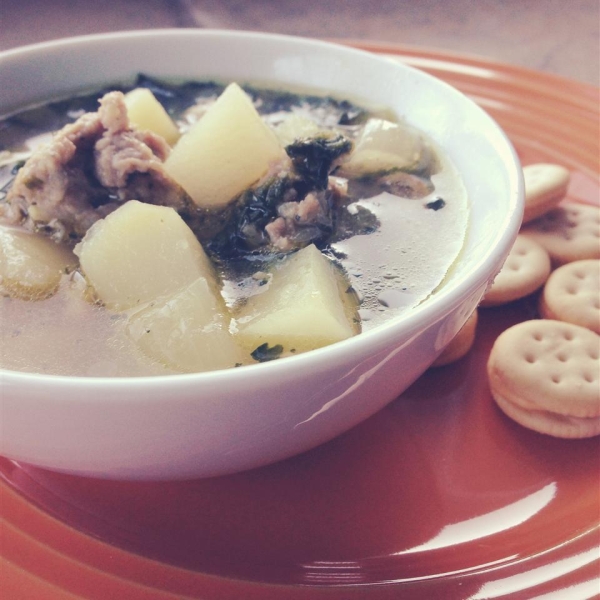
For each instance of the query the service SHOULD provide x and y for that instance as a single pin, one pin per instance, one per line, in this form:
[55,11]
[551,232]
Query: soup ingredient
[304,306]
[314,157]
[265,353]
[188,331]
[385,147]
[279,216]
[293,127]
[300,223]
[229,149]
[31,265]
[140,252]
[88,169]
[146,112]
[292,208]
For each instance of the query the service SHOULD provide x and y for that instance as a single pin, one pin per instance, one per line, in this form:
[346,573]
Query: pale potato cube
[139,252]
[146,112]
[188,331]
[384,146]
[225,152]
[31,265]
[295,126]
[304,307]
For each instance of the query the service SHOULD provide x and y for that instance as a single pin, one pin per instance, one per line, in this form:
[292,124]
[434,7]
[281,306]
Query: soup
[202,226]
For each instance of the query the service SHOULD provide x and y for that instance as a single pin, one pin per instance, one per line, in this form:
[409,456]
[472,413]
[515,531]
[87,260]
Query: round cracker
[548,422]
[525,270]
[545,186]
[570,232]
[460,344]
[572,294]
[548,371]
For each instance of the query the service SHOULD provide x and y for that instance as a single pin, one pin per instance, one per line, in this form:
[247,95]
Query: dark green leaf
[265,353]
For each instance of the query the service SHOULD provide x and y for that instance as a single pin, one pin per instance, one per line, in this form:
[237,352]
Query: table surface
[546,35]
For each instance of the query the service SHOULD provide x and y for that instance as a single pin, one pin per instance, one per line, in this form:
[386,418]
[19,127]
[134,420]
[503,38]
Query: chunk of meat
[406,185]
[89,168]
[121,150]
[300,223]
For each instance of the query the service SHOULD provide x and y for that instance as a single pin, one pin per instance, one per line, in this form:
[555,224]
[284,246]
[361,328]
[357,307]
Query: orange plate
[437,496]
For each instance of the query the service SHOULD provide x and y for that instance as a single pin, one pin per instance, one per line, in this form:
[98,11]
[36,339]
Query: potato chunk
[188,331]
[225,152]
[295,126]
[383,146]
[139,252]
[304,307]
[31,265]
[146,112]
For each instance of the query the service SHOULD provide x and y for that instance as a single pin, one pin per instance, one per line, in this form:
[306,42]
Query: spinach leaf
[254,209]
[265,353]
[312,158]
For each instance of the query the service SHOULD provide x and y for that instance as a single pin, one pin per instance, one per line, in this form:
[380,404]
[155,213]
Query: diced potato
[293,127]
[384,146]
[139,252]
[303,308]
[188,331]
[225,152]
[31,265]
[146,112]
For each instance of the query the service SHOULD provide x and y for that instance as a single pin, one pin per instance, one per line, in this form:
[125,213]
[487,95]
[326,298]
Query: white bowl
[215,423]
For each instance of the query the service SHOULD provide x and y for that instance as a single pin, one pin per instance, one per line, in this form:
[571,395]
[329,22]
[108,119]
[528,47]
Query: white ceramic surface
[214,423]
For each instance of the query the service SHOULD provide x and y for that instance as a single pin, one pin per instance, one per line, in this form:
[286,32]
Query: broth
[393,249]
